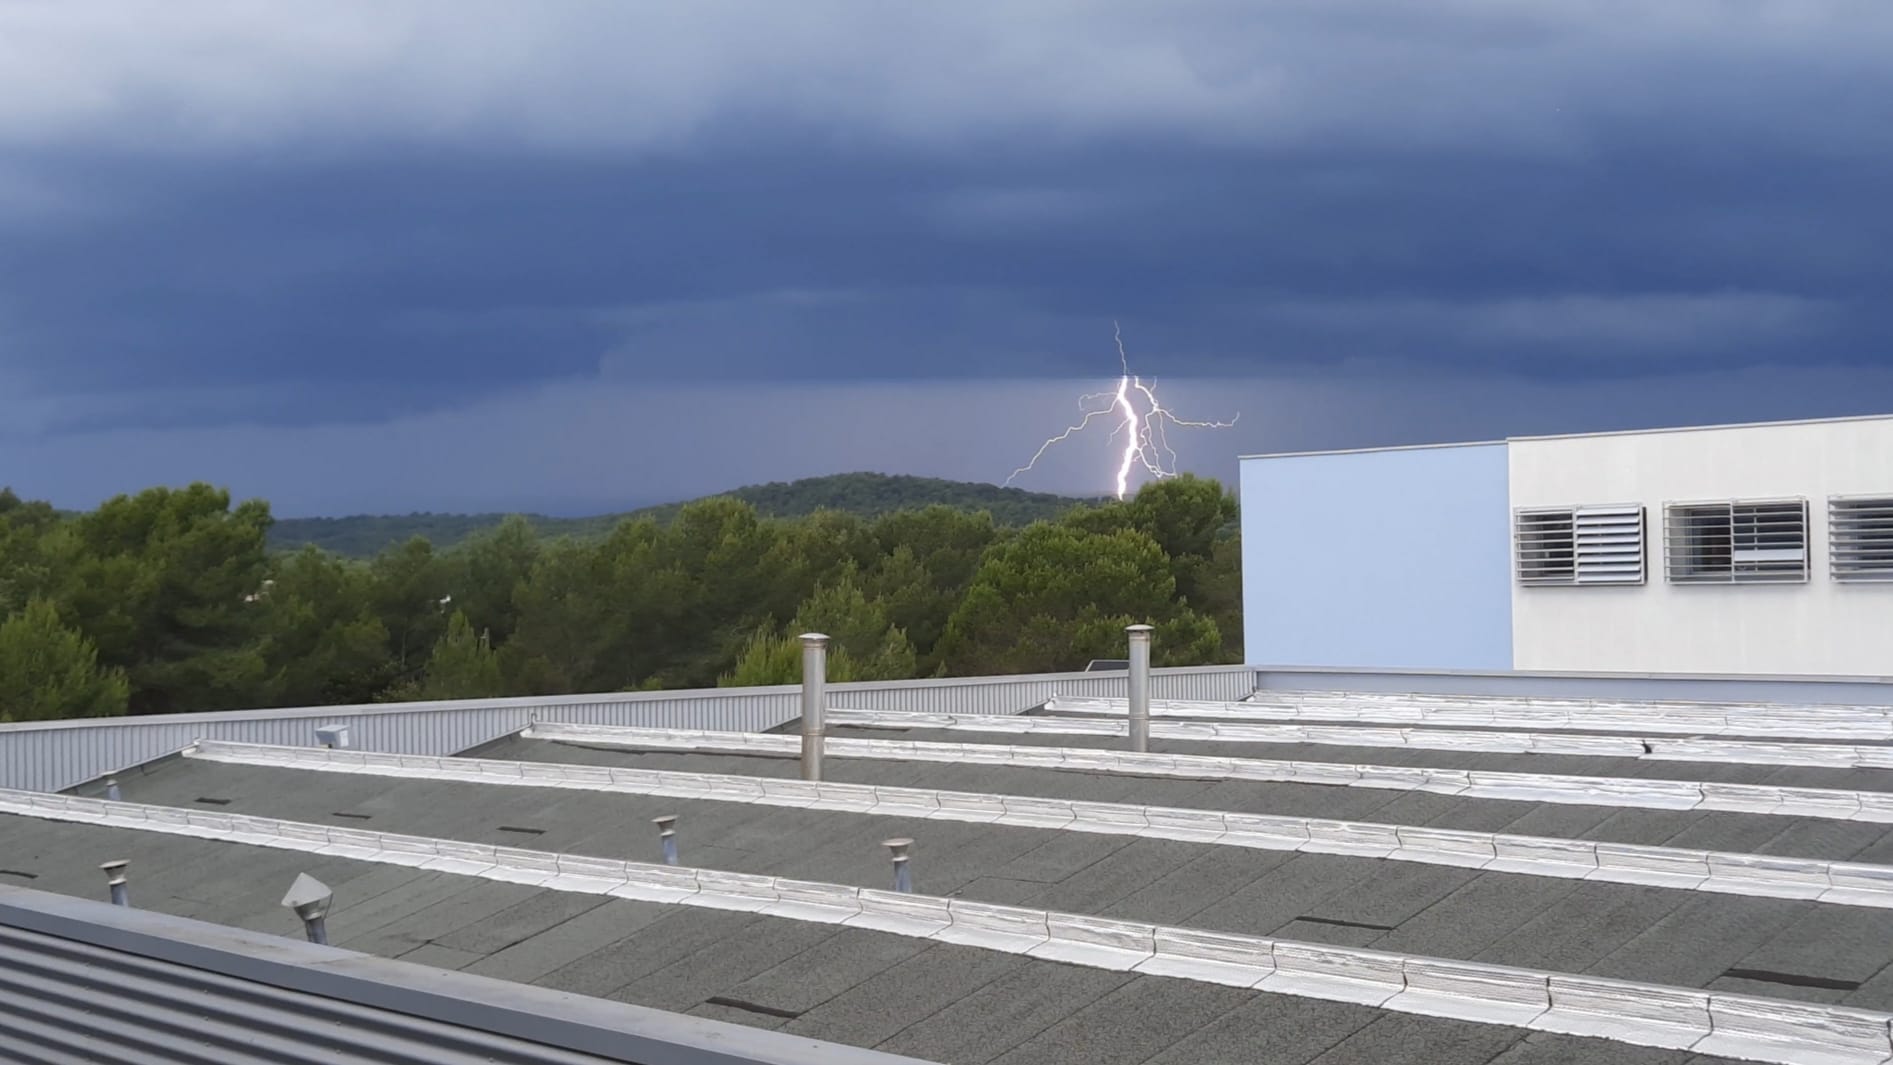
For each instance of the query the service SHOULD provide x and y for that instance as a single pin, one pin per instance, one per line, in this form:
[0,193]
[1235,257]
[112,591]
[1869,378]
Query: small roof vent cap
[309,897]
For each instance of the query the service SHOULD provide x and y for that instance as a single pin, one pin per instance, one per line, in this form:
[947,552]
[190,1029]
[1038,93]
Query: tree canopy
[170,601]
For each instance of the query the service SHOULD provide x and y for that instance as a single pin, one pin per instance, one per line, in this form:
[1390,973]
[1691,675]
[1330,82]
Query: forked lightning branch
[1142,419]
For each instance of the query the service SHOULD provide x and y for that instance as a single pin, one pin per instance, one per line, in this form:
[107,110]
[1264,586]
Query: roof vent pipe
[111,789]
[903,875]
[667,834]
[310,898]
[115,878]
[814,701]
[1139,684]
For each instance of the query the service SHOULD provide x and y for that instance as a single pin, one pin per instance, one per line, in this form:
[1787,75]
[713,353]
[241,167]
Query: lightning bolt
[1146,437]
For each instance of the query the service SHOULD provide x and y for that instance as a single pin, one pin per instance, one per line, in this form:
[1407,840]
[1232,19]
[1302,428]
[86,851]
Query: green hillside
[865,494]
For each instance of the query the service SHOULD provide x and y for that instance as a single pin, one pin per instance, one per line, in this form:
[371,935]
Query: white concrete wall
[1818,627]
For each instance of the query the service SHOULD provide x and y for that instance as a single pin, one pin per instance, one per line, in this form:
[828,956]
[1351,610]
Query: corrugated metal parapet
[56,755]
[81,980]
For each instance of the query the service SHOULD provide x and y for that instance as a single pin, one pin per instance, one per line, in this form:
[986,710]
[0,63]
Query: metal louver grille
[1580,545]
[1860,534]
[1737,543]
[1610,545]
[1546,547]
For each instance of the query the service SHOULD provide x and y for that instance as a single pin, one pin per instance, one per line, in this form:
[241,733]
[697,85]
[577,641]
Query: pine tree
[49,672]
[769,658]
[463,666]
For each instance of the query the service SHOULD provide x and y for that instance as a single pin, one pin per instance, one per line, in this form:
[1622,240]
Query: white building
[1750,549]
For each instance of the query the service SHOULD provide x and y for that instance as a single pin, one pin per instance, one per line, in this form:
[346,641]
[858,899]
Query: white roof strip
[1659,748]
[1617,1009]
[994,927]
[1852,881]
[811,901]
[1631,792]
[657,883]
[1727,873]
[1452,989]
[1761,1030]
[1692,719]
[1097,942]
[1573,858]
[1213,957]
[1792,1033]
[467,859]
[1344,974]
[744,892]
[901,913]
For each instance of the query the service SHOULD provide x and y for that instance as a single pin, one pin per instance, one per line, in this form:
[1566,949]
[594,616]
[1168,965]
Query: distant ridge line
[866,495]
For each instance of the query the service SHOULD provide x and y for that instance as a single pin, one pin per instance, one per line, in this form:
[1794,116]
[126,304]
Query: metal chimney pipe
[1140,686]
[903,874]
[814,701]
[115,878]
[111,789]
[667,834]
[317,929]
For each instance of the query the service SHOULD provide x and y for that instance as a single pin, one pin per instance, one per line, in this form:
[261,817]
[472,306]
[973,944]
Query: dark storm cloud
[467,274]
[215,216]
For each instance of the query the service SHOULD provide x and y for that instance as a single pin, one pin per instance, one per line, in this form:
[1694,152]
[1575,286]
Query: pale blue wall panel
[1392,559]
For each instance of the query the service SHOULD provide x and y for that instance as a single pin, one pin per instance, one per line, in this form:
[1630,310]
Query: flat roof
[1574,436]
[959,1003]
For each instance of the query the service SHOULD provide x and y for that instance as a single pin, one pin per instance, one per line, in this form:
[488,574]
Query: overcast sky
[388,255]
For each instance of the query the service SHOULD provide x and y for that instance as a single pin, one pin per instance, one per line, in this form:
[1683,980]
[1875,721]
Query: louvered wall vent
[1860,535]
[1737,542]
[1580,545]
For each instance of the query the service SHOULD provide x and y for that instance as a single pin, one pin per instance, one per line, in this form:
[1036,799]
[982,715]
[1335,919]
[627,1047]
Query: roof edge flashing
[1320,452]
[1282,668]
[1782,423]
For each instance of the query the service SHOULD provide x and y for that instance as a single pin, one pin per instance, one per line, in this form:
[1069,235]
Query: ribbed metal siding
[53,756]
[85,982]
[53,759]
[77,1002]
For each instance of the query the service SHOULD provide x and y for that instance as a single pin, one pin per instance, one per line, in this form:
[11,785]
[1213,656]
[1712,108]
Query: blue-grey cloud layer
[213,217]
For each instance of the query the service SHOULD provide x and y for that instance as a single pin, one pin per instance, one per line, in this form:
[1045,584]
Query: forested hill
[170,601]
[865,494]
